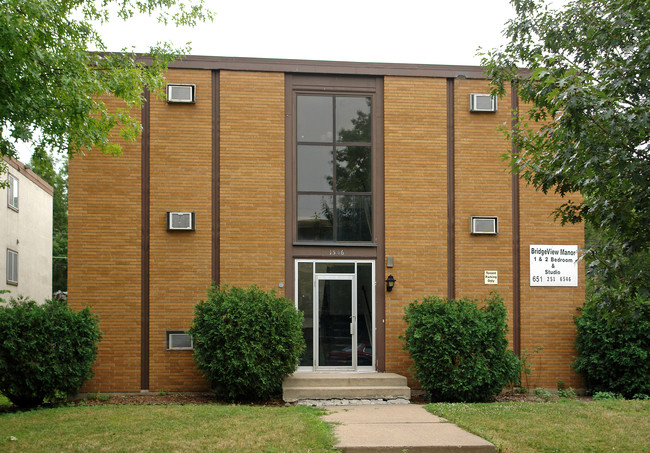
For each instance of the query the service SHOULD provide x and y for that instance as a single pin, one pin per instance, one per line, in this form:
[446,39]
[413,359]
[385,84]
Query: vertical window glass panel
[353,119]
[353,169]
[315,119]
[364,314]
[306,306]
[315,168]
[354,218]
[334,314]
[315,217]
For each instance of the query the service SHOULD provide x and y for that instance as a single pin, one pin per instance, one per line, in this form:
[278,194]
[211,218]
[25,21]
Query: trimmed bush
[614,349]
[460,351]
[46,351]
[246,341]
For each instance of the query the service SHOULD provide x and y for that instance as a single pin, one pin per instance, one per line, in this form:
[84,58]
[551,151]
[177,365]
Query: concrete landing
[399,428]
[323,386]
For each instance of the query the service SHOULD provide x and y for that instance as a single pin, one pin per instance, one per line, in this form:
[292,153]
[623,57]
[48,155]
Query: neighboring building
[320,180]
[26,233]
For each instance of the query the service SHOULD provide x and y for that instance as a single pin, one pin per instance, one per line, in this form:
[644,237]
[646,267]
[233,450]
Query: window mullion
[334,191]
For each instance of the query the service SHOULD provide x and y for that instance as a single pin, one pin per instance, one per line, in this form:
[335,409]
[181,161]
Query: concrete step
[311,386]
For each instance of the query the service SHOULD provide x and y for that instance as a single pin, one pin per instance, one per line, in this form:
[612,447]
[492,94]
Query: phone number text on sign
[553,265]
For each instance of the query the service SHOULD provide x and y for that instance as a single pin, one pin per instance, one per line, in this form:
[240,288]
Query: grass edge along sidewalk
[178,428]
[562,426]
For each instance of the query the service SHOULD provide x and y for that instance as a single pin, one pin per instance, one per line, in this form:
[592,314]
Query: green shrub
[460,351]
[543,394]
[614,349]
[605,396]
[45,350]
[246,341]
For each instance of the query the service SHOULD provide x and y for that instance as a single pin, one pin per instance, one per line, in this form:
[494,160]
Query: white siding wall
[28,232]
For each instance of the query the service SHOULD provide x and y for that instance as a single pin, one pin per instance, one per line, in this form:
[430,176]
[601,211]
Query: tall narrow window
[12,192]
[12,267]
[334,149]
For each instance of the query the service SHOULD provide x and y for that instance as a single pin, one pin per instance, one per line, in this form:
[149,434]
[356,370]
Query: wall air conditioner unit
[484,225]
[179,340]
[181,221]
[181,93]
[482,103]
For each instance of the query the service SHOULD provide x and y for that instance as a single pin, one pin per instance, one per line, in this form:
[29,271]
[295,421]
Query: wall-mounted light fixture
[390,282]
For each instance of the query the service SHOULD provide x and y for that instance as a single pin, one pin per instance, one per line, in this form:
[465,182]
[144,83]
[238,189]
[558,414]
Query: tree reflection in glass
[333,181]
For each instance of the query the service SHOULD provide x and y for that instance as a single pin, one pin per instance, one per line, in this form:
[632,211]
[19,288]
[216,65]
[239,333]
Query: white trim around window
[12,192]
[12,267]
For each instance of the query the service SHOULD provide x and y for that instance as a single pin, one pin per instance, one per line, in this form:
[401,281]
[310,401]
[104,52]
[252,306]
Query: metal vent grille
[484,225]
[183,221]
[482,103]
[179,340]
[181,94]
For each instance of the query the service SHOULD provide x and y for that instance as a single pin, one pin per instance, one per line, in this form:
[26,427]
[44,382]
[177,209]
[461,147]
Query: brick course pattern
[415,169]
[105,210]
[252,179]
[180,262]
[104,258]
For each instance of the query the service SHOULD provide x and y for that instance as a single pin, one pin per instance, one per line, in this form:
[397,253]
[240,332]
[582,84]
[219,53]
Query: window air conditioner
[179,340]
[184,94]
[484,225]
[180,221]
[482,103]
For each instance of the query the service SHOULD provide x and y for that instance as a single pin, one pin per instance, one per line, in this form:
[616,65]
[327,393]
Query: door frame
[353,315]
[316,278]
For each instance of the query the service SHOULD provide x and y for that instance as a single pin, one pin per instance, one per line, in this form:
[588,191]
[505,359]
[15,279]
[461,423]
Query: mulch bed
[163,398]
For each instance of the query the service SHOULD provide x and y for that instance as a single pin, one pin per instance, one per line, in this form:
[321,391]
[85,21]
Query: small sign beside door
[491,277]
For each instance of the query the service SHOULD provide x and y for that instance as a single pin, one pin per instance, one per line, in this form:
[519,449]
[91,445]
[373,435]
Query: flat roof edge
[328,67]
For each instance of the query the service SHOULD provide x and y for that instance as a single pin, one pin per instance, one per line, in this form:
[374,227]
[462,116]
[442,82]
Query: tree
[52,87]
[56,175]
[587,82]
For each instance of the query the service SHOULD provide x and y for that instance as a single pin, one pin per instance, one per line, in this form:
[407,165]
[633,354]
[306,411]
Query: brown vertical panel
[216,181]
[145,233]
[451,200]
[379,229]
[516,261]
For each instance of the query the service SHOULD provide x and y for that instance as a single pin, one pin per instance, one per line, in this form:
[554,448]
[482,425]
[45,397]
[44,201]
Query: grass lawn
[561,426]
[171,428]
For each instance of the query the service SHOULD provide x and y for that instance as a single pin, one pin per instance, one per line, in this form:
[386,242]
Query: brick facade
[233,138]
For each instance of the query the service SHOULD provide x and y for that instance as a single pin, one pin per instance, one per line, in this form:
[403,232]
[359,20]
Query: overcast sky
[395,31]
[406,31]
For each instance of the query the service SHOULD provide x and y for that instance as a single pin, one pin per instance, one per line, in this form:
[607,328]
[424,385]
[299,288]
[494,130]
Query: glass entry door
[336,325]
[337,301]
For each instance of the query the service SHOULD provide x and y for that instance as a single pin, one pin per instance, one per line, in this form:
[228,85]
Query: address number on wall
[337,252]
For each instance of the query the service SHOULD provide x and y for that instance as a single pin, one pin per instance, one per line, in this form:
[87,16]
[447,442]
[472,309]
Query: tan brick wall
[415,111]
[483,187]
[104,259]
[547,312]
[104,267]
[252,179]
[180,262]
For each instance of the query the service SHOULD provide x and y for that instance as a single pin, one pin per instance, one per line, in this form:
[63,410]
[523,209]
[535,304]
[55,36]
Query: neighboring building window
[179,340]
[12,192]
[12,267]
[333,156]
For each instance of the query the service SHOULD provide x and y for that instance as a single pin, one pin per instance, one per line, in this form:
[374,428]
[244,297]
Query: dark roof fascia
[29,174]
[328,67]
[323,67]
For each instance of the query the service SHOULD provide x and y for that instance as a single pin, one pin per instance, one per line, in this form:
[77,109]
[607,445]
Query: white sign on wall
[491,277]
[553,265]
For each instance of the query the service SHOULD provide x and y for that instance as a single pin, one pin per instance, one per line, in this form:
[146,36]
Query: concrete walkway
[399,428]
